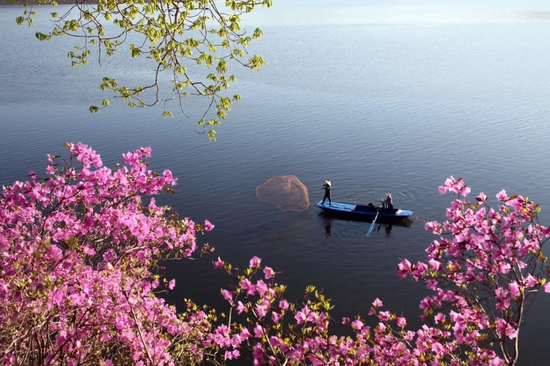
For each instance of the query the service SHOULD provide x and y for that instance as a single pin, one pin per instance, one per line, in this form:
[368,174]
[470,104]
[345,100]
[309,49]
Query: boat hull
[363,212]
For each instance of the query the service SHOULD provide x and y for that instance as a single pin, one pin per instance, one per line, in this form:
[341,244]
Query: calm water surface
[375,108]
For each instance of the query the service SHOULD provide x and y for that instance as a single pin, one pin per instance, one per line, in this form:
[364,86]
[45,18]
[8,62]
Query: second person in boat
[388,203]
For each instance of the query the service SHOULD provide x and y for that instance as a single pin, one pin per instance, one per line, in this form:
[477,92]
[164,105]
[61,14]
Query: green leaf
[135,51]
[42,36]
[211,135]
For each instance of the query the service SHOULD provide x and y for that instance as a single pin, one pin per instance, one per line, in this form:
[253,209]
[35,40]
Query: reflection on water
[282,227]
[328,230]
[387,228]
[327,223]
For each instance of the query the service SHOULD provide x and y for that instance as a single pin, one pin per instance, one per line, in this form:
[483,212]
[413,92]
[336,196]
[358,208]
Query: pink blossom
[269,273]
[505,329]
[255,262]
[245,334]
[431,284]
[172,284]
[435,265]
[262,308]
[258,331]
[454,185]
[261,287]
[357,324]
[88,250]
[439,318]
[257,352]
[501,196]
[248,287]
[275,317]
[516,203]
[302,315]
[384,316]
[514,289]
[227,295]
[482,198]
[464,191]
[218,263]
[401,322]
[230,355]
[531,281]
[504,267]
[208,226]
[404,267]
[433,226]
[241,307]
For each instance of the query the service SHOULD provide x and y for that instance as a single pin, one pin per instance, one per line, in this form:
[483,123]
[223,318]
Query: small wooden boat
[364,212]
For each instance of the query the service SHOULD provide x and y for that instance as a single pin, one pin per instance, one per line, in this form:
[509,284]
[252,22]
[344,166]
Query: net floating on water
[286,192]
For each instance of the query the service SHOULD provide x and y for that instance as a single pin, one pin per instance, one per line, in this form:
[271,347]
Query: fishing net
[286,192]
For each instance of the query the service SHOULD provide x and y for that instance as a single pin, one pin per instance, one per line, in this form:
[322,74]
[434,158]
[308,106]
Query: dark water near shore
[375,108]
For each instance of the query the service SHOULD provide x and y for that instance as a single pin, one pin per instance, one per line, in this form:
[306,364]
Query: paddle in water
[374,221]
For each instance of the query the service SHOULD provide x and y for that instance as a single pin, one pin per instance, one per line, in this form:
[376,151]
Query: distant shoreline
[60,2]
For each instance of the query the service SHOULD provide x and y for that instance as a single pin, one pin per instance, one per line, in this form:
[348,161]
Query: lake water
[376,108]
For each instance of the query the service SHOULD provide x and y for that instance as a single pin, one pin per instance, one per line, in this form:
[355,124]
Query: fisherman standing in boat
[327,187]
[388,202]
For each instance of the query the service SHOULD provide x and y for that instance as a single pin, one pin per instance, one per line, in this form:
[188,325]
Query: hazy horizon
[301,12]
[295,12]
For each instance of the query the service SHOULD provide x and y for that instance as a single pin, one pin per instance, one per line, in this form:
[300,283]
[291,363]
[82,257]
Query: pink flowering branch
[487,271]
[79,251]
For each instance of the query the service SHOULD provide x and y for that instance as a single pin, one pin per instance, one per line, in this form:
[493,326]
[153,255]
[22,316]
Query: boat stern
[403,213]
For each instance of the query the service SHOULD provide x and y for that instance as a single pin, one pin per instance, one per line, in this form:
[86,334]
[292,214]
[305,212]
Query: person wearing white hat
[327,187]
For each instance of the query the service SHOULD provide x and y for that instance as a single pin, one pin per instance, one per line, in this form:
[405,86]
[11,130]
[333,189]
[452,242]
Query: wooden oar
[374,221]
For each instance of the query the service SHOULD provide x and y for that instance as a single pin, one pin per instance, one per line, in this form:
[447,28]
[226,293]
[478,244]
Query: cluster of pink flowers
[78,254]
[79,259]
[485,272]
